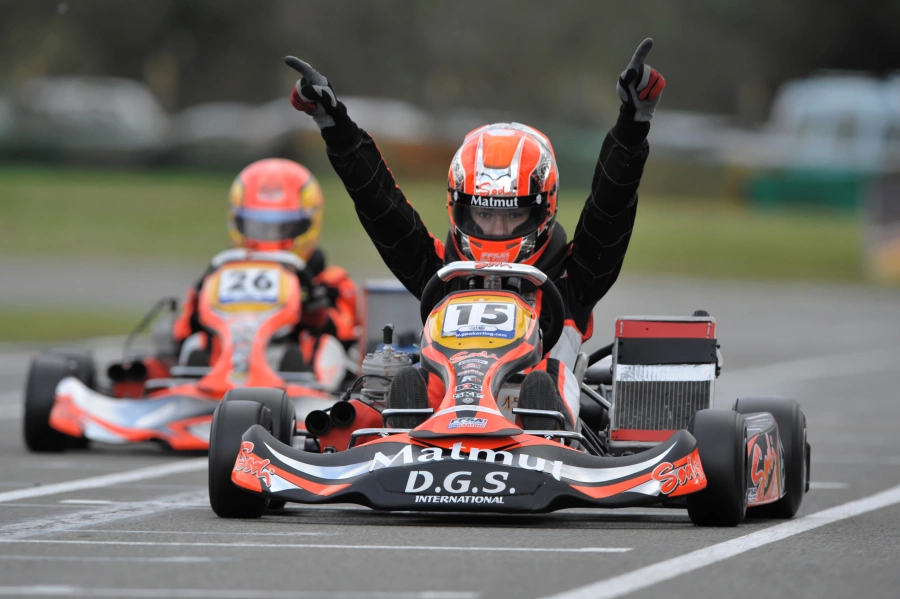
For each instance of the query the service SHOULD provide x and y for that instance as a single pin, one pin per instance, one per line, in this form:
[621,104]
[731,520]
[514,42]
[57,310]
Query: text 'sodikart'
[498,441]
[247,302]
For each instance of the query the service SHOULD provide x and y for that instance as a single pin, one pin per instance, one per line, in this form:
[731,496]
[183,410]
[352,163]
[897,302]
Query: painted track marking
[9,410]
[76,591]
[176,559]
[648,576]
[71,521]
[106,480]
[827,485]
[227,533]
[819,367]
[320,546]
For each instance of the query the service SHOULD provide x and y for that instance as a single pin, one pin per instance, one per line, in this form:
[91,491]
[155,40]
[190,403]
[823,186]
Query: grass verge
[171,216]
[47,324]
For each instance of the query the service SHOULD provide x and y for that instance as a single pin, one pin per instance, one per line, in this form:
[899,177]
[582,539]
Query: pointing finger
[314,76]
[639,55]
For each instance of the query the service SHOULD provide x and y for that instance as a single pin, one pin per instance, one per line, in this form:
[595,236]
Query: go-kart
[498,441]
[247,302]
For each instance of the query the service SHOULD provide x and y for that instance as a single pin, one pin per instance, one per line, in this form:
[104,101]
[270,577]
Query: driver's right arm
[393,225]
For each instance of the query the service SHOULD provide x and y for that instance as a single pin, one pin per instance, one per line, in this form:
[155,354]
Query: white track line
[178,559]
[648,576]
[9,410]
[857,460]
[106,480]
[320,546]
[74,591]
[809,369]
[827,485]
[101,516]
[226,533]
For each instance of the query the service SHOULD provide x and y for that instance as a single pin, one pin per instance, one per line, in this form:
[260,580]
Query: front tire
[722,443]
[792,431]
[45,373]
[284,417]
[230,421]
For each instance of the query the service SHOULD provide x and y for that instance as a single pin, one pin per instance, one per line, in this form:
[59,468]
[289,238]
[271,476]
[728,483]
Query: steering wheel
[551,304]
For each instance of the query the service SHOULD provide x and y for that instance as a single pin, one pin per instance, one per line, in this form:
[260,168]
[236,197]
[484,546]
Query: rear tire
[538,393]
[230,421]
[284,417]
[722,443]
[45,373]
[792,430]
[407,392]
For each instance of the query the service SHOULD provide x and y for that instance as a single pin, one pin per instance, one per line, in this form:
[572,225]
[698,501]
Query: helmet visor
[498,223]
[272,225]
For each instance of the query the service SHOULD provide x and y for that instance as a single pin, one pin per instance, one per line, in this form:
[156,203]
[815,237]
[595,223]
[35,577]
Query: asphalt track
[135,522]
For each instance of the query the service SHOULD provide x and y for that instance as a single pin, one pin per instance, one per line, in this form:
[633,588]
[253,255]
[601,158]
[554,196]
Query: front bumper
[527,475]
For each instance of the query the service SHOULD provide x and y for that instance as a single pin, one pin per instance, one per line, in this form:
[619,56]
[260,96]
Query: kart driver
[502,201]
[277,204]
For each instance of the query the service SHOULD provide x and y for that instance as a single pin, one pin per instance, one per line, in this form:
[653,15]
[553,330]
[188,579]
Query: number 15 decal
[480,319]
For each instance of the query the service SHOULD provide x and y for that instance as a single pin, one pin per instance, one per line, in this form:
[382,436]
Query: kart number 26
[249,285]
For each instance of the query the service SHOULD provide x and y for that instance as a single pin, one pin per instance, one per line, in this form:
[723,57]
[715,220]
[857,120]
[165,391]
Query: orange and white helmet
[501,197]
[276,204]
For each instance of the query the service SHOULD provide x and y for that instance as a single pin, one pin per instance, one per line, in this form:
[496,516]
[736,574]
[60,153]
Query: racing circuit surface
[109,522]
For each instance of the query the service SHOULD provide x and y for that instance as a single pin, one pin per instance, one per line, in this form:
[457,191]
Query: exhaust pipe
[134,371]
[343,414]
[318,423]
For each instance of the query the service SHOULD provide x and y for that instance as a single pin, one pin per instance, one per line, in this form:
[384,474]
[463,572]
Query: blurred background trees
[532,57]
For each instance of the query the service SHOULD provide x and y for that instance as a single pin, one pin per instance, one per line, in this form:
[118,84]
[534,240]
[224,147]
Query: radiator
[664,370]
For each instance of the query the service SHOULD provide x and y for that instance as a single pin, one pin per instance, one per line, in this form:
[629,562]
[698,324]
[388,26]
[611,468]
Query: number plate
[480,319]
[243,285]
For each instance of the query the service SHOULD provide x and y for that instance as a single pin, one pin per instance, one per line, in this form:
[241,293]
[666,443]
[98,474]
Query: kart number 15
[480,319]
[249,285]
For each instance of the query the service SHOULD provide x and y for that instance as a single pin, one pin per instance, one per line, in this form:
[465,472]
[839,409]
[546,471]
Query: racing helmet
[501,194]
[276,204]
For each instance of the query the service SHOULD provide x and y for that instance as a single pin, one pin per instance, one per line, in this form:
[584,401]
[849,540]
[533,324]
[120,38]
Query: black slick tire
[792,430]
[230,421]
[284,417]
[722,443]
[46,371]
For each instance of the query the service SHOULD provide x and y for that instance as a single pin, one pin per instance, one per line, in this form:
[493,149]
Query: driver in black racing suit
[501,198]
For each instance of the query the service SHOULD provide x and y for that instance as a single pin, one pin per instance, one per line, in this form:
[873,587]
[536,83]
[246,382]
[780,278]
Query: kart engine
[379,368]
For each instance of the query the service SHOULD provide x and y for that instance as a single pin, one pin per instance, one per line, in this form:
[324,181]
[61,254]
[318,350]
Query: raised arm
[393,225]
[604,229]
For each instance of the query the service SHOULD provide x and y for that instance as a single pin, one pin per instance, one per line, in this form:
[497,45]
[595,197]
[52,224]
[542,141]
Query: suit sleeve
[393,225]
[604,229]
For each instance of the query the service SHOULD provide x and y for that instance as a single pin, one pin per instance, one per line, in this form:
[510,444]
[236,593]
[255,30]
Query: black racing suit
[583,269]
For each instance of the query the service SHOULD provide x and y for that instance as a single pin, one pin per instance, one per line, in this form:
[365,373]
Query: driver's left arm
[604,229]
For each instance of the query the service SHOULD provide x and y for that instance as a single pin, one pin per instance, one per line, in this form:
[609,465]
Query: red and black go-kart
[249,299]
[646,434]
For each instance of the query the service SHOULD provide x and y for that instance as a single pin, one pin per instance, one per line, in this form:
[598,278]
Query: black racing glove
[640,86]
[314,95]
